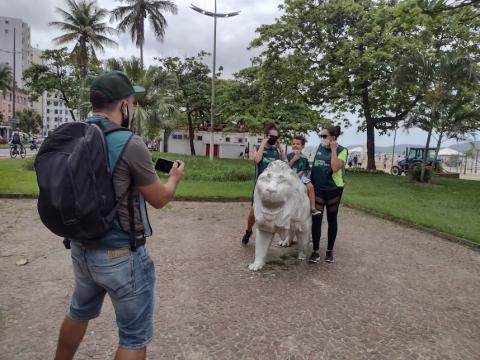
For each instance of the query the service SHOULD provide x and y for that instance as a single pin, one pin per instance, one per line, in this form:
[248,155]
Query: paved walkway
[394,293]
[5,153]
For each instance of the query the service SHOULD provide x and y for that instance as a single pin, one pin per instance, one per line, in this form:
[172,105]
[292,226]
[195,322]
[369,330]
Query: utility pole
[394,140]
[215,15]
[14,120]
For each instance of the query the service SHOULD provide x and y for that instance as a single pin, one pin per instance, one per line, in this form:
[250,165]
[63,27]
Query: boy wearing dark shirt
[299,163]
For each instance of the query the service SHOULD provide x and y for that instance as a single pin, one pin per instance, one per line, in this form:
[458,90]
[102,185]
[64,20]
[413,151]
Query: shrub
[29,164]
[365,171]
[416,171]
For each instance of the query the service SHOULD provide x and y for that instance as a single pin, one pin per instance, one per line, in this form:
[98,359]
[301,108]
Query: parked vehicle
[414,157]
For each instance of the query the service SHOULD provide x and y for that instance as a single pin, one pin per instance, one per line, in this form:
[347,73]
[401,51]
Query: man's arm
[157,194]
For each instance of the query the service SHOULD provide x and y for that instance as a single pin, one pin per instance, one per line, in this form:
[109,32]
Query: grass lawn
[4,146]
[14,178]
[447,205]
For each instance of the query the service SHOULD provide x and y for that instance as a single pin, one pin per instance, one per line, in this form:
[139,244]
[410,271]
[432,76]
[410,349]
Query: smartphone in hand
[163,165]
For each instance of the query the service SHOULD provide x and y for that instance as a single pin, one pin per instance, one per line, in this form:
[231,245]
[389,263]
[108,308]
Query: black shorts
[329,194]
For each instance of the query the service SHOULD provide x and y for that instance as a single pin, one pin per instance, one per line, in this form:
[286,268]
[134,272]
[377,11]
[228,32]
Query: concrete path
[5,153]
[393,293]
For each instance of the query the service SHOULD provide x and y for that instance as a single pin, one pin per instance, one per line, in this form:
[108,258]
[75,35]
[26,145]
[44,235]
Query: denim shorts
[128,278]
[305,180]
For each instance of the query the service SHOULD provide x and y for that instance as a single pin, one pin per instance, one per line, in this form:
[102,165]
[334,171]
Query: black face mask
[125,119]
[272,140]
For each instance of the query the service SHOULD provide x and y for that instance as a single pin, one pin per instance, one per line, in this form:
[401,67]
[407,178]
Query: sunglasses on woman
[323,136]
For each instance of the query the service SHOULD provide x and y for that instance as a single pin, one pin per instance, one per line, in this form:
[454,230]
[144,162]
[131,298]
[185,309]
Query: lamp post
[215,15]
[393,149]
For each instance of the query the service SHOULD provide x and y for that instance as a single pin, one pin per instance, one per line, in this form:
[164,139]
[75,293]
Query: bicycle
[14,152]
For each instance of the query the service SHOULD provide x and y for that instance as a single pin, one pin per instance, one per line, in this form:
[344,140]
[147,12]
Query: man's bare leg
[71,335]
[131,354]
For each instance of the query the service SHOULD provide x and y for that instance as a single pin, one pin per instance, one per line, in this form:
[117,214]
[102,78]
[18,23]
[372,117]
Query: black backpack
[16,138]
[77,197]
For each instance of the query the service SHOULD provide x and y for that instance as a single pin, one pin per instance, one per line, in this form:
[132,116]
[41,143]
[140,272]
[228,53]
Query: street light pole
[214,71]
[14,75]
[394,140]
[215,15]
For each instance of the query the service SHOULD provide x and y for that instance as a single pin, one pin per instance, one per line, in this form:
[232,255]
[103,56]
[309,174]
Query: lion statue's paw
[255,266]
[284,243]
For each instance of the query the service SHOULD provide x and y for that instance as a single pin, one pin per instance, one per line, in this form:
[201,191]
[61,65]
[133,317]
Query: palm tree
[83,24]
[154,109]
[442,78]
[5,77]
[132,18]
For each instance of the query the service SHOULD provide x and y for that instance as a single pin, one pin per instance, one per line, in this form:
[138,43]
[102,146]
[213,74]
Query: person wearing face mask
[118,263]
[327,175]
[269,150]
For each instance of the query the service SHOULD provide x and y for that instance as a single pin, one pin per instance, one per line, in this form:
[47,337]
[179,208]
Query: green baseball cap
[113,85]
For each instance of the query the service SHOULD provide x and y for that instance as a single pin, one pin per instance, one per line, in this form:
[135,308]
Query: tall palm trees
[154,109]
[5,77]
[82,23]
[132,18]
[442,79]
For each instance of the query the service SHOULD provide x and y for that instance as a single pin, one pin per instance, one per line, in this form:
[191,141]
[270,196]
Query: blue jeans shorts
[305,180]
[128,278]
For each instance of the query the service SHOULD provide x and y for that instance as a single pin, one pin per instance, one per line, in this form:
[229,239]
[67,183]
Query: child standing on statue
[299,163]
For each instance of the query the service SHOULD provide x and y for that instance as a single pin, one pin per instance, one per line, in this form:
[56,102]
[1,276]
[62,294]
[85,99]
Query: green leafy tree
[442,77]
[191,92]
[437,6]
[57,74]
[30,121]
[5,77]
[133,15]
[154,109]
[338,56]
[246,104]
[444,71]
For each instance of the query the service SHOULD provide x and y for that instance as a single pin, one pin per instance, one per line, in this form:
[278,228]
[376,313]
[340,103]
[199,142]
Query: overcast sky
[188,32]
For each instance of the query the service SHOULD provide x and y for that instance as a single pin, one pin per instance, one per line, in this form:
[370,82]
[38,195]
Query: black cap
[113,86]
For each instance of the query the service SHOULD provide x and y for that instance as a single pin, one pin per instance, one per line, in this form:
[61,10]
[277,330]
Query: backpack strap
[109,128]
[131,220]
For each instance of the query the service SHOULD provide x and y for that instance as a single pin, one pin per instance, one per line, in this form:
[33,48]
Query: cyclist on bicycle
[17,140]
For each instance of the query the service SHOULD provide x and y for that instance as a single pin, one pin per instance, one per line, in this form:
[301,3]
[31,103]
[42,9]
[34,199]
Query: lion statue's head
[279,195]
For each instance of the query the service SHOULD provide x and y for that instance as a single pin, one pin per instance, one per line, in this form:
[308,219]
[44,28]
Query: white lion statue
[281,206]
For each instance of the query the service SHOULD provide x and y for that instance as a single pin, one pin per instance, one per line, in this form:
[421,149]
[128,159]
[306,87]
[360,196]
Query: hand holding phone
[163,165]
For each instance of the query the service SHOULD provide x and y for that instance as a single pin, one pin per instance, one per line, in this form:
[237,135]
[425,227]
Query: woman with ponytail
[327,175]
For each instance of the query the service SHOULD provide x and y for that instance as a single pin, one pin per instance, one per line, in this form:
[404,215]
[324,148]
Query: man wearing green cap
[110,265]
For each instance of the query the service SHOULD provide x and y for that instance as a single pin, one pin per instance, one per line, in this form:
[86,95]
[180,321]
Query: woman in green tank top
[327,175]
[269,150]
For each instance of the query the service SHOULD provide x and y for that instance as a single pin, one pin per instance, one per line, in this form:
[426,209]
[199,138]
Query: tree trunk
[425,154]
[141,54]
[370,122]
[439,143]
[191,133]
[166,135]
[476,161]
[67,103]
[371,145]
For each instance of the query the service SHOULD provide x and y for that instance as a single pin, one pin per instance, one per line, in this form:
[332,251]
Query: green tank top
[269,155]
[322,176]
